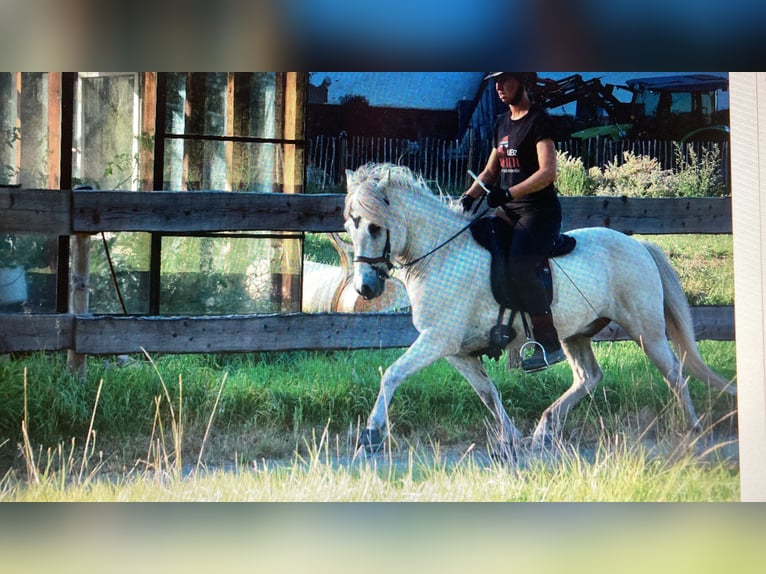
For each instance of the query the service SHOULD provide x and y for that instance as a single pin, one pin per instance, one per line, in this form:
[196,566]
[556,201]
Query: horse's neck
[429,223]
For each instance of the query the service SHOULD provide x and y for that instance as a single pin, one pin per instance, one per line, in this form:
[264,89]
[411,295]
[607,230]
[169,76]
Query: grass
[620,469]
[177,421]
[704,263]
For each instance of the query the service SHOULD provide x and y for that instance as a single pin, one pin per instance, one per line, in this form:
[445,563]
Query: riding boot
[548,352]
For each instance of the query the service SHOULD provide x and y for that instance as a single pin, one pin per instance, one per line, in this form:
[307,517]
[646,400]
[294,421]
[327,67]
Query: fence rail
[81,213]
[88,212]
[110,335]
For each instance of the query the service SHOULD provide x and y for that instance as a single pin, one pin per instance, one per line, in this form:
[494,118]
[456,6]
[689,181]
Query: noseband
[385,258]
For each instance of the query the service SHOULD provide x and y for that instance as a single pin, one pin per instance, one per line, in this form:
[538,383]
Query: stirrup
[540,359]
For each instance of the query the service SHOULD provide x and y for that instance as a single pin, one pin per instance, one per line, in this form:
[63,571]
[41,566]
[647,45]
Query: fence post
[342,151]
[79,279]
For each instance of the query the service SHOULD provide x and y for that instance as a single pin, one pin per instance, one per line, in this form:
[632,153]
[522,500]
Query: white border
[748,142]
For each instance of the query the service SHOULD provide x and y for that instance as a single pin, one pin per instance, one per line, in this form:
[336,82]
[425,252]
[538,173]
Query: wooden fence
[447,161]
[82,213]
[437,160]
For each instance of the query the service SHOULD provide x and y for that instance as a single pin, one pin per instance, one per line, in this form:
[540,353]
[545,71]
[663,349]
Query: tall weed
[699,171]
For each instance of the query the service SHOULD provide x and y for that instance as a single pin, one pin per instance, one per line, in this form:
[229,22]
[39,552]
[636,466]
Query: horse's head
[368,222]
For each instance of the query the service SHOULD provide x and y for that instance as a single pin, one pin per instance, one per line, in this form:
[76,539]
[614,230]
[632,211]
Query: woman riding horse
[520,173]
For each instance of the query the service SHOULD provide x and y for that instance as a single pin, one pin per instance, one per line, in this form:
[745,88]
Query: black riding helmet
[526,79]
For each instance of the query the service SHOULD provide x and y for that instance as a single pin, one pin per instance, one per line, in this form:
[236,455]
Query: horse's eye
[374,229]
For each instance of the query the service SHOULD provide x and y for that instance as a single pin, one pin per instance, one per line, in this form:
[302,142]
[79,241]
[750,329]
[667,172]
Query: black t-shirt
[516,145]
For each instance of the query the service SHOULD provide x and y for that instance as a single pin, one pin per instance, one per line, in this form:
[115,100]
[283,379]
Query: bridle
[385,258]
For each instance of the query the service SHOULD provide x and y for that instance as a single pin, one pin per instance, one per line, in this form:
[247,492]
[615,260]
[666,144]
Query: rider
[520,172]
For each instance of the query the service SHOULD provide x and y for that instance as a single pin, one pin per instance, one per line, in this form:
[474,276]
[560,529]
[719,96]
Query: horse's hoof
[370,440]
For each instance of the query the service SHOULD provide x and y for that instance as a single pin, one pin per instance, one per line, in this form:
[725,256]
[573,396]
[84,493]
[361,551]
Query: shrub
[697,173]
[635,176]
[572,178]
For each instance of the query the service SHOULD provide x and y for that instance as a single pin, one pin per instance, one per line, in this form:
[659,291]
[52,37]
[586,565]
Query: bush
[572,178]
[636,176]
[697,174]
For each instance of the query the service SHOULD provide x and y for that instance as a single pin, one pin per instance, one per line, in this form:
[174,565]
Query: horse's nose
[366,291]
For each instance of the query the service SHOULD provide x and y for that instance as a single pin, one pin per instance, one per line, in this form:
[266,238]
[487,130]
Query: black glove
[467,201]
[497,197]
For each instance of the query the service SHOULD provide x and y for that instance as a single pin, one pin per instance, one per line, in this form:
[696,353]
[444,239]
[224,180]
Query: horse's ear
[349,176]
[382,185]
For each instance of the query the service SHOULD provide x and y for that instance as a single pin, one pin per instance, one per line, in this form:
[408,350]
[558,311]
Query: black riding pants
[535,231]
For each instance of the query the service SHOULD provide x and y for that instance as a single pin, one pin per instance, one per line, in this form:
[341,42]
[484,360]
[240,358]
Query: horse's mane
[367,198]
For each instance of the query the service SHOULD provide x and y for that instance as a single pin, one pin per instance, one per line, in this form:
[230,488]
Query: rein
[385,258]
[455,236]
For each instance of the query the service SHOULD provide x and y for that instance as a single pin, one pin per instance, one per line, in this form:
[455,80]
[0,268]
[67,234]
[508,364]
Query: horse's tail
[680,326]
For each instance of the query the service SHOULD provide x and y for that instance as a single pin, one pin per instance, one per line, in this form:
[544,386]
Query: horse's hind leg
[660,353]
[473,370]
[586,375]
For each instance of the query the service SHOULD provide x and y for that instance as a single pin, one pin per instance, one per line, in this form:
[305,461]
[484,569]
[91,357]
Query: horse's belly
[607,273]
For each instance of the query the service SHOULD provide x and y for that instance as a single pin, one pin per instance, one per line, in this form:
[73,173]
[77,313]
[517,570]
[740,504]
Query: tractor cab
[679,107]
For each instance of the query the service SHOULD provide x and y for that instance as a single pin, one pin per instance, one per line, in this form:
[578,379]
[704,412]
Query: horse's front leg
[508,436]
[424,351]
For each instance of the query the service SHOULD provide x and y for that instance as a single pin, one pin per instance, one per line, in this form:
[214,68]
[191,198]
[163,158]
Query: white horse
[393,219]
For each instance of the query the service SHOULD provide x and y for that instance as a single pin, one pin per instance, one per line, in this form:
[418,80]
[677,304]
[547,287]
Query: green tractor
[679,108]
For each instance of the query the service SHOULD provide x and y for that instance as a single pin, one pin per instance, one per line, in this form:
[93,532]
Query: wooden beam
[711,323]
[54,129]
[43,211]
[109,335]
[147,135]
[649,215]
[281,332]
[22,333]
[229,129]
[292,173]
[79,292]
[17,123]
[35,211]
[294,96]
[180,212]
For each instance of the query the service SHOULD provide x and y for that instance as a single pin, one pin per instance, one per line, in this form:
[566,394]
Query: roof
[681,83]
[418,90]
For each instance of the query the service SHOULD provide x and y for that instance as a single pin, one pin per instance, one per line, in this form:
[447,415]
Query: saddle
[493,237]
